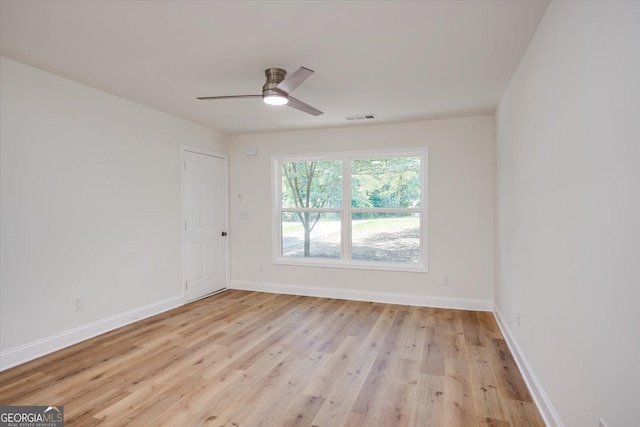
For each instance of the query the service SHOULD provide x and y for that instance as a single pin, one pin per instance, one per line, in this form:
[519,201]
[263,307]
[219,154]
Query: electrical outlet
[447,280]
[518,319]
[77,303]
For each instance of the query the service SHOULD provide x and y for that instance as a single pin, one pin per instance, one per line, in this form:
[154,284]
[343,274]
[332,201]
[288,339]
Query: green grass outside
[386,224]
[365,225]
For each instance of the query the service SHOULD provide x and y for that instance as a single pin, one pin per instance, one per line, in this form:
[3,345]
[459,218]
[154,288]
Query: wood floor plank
[80,412]
[254,359]
[433,351]
[471,328]
[11,389]
[388,355]
[415,338]
[490,422]
[323,382]
[345,390]
[285,394]
[195,406]
[367,314]
[302,411]
[489,325]
[270,340]
[328,338]
[484,384]
[510,381]
[453,322]
[523,413]
[454,346]
[459,406]
[375,403]
[429,410]
[408,376]
[208,405]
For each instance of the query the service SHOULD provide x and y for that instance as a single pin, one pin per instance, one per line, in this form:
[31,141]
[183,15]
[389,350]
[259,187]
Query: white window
[355,210]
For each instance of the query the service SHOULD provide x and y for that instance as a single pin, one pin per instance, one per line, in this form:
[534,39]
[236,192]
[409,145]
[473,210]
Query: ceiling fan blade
[299,105]
[294,79]
[205,98]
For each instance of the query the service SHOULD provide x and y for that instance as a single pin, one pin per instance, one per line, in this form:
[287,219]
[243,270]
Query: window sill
[351,265]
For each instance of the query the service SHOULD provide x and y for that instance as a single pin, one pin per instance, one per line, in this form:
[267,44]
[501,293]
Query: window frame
[346,210]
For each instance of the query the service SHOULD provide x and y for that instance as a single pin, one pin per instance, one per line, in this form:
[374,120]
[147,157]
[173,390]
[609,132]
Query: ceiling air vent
[361,117]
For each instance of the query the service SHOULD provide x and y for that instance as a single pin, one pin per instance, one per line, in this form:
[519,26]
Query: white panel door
[205,248]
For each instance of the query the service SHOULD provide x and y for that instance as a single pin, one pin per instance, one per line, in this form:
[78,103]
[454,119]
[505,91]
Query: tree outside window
[310,187]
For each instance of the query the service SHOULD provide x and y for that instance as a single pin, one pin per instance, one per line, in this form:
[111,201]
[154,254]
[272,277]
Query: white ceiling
[399,60]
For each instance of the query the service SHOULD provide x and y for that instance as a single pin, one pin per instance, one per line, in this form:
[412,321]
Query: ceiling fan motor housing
[274,77]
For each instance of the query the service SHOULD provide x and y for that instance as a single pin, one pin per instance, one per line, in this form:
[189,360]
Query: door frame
[183,217]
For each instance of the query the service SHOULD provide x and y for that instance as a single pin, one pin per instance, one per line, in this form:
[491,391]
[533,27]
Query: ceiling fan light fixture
[277,88]
[275,99]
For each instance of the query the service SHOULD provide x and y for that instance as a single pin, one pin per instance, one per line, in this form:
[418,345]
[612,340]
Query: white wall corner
[349,294]
[549,414]
[24,353]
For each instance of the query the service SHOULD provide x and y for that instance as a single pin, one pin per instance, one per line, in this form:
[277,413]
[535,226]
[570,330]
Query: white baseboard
[18,355]
[349,294]
[549,414]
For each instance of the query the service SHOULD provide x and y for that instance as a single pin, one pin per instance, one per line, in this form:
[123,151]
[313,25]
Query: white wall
[460,207]
[568,210]
[90,204]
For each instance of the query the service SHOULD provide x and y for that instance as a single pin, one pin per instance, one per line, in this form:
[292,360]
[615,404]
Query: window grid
[346,212]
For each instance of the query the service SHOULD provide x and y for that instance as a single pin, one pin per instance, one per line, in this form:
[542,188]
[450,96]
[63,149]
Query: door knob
[224,233]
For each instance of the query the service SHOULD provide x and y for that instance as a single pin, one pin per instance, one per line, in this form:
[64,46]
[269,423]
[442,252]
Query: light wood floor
[257,359]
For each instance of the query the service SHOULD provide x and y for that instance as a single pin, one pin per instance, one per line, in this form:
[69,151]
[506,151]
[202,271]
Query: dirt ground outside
[388,240]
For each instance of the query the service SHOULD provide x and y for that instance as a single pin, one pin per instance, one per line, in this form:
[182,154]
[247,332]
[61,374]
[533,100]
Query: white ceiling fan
[277,89]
